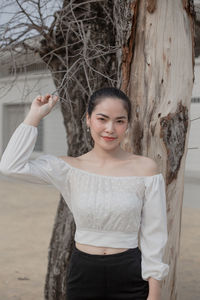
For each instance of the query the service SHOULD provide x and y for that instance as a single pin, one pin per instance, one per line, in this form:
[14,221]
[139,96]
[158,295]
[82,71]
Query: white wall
[23,90]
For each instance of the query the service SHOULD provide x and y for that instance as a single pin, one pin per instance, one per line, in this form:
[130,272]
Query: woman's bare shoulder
[138,164]
[148,165]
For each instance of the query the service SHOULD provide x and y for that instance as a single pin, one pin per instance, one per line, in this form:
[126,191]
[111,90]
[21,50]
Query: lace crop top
[108,210]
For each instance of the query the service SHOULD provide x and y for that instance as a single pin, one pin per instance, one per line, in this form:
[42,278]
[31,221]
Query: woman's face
[108,119]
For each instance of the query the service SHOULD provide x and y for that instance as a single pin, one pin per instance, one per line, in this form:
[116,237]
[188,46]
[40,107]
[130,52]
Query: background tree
[146,48]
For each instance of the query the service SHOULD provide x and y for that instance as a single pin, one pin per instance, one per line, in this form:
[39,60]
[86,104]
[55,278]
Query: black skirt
[106,277]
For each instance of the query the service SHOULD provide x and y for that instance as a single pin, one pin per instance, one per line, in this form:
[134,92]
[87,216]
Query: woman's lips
[108,138]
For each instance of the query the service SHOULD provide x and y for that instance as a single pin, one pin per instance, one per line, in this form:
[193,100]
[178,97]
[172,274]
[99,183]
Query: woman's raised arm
[15,159]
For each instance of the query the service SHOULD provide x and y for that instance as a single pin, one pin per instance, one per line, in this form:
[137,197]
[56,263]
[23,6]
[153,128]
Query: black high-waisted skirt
[106,277]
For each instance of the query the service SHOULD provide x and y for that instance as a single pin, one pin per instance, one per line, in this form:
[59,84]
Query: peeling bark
[162,73]
[128,49]
[151,6]
[174,128]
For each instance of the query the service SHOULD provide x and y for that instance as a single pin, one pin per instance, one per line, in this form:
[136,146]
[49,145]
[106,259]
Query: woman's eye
[119,121]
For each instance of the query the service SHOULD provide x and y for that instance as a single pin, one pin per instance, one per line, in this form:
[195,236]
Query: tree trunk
[74,91]
[153,63]
[160,84]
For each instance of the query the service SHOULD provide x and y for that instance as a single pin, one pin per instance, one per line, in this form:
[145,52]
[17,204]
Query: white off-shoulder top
[108,210]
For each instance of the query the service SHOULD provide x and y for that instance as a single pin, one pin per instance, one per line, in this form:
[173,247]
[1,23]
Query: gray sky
[9,8]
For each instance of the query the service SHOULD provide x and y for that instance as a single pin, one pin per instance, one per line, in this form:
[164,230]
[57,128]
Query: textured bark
[61,244]
[160,87]
[75,91]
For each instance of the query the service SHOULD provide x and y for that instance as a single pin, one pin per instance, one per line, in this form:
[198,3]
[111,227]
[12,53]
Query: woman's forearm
[154,289]
[31,119]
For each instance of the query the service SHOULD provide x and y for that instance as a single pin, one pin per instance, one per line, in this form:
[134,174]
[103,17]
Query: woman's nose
[110,127]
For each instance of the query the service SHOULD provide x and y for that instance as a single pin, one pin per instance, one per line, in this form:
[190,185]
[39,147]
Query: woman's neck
[103,155]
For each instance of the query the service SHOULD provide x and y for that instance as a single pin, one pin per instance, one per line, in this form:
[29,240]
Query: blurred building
[21,80]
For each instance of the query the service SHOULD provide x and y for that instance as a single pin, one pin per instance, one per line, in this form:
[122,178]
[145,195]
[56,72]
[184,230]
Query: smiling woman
[114,107]
[116,197]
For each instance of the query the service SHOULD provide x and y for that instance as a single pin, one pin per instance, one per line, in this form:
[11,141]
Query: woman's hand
[154,297]
[42,105]
[154,289]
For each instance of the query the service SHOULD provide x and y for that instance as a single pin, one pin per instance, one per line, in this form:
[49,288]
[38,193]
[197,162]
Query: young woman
[116,198]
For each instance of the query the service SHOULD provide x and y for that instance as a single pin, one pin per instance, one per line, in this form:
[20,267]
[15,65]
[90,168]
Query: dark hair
[113,92]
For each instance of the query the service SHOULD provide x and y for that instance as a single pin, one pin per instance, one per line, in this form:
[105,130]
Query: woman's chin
[108,145]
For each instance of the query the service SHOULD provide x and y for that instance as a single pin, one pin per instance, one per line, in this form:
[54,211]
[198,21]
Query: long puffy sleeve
[153,233]
[15,162]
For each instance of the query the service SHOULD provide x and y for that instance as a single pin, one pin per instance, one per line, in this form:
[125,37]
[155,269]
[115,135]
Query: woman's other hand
[154,289]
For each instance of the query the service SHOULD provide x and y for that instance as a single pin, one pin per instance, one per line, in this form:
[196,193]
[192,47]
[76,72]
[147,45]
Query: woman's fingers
[53,100]
[56,98]
[48,98]
[38,98]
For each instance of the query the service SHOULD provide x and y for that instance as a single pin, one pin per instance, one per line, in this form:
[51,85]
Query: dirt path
[26,218]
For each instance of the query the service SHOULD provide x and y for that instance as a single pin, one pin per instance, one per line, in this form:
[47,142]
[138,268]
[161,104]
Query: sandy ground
[27,214]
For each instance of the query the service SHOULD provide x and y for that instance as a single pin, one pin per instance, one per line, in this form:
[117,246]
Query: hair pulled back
[112,92]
